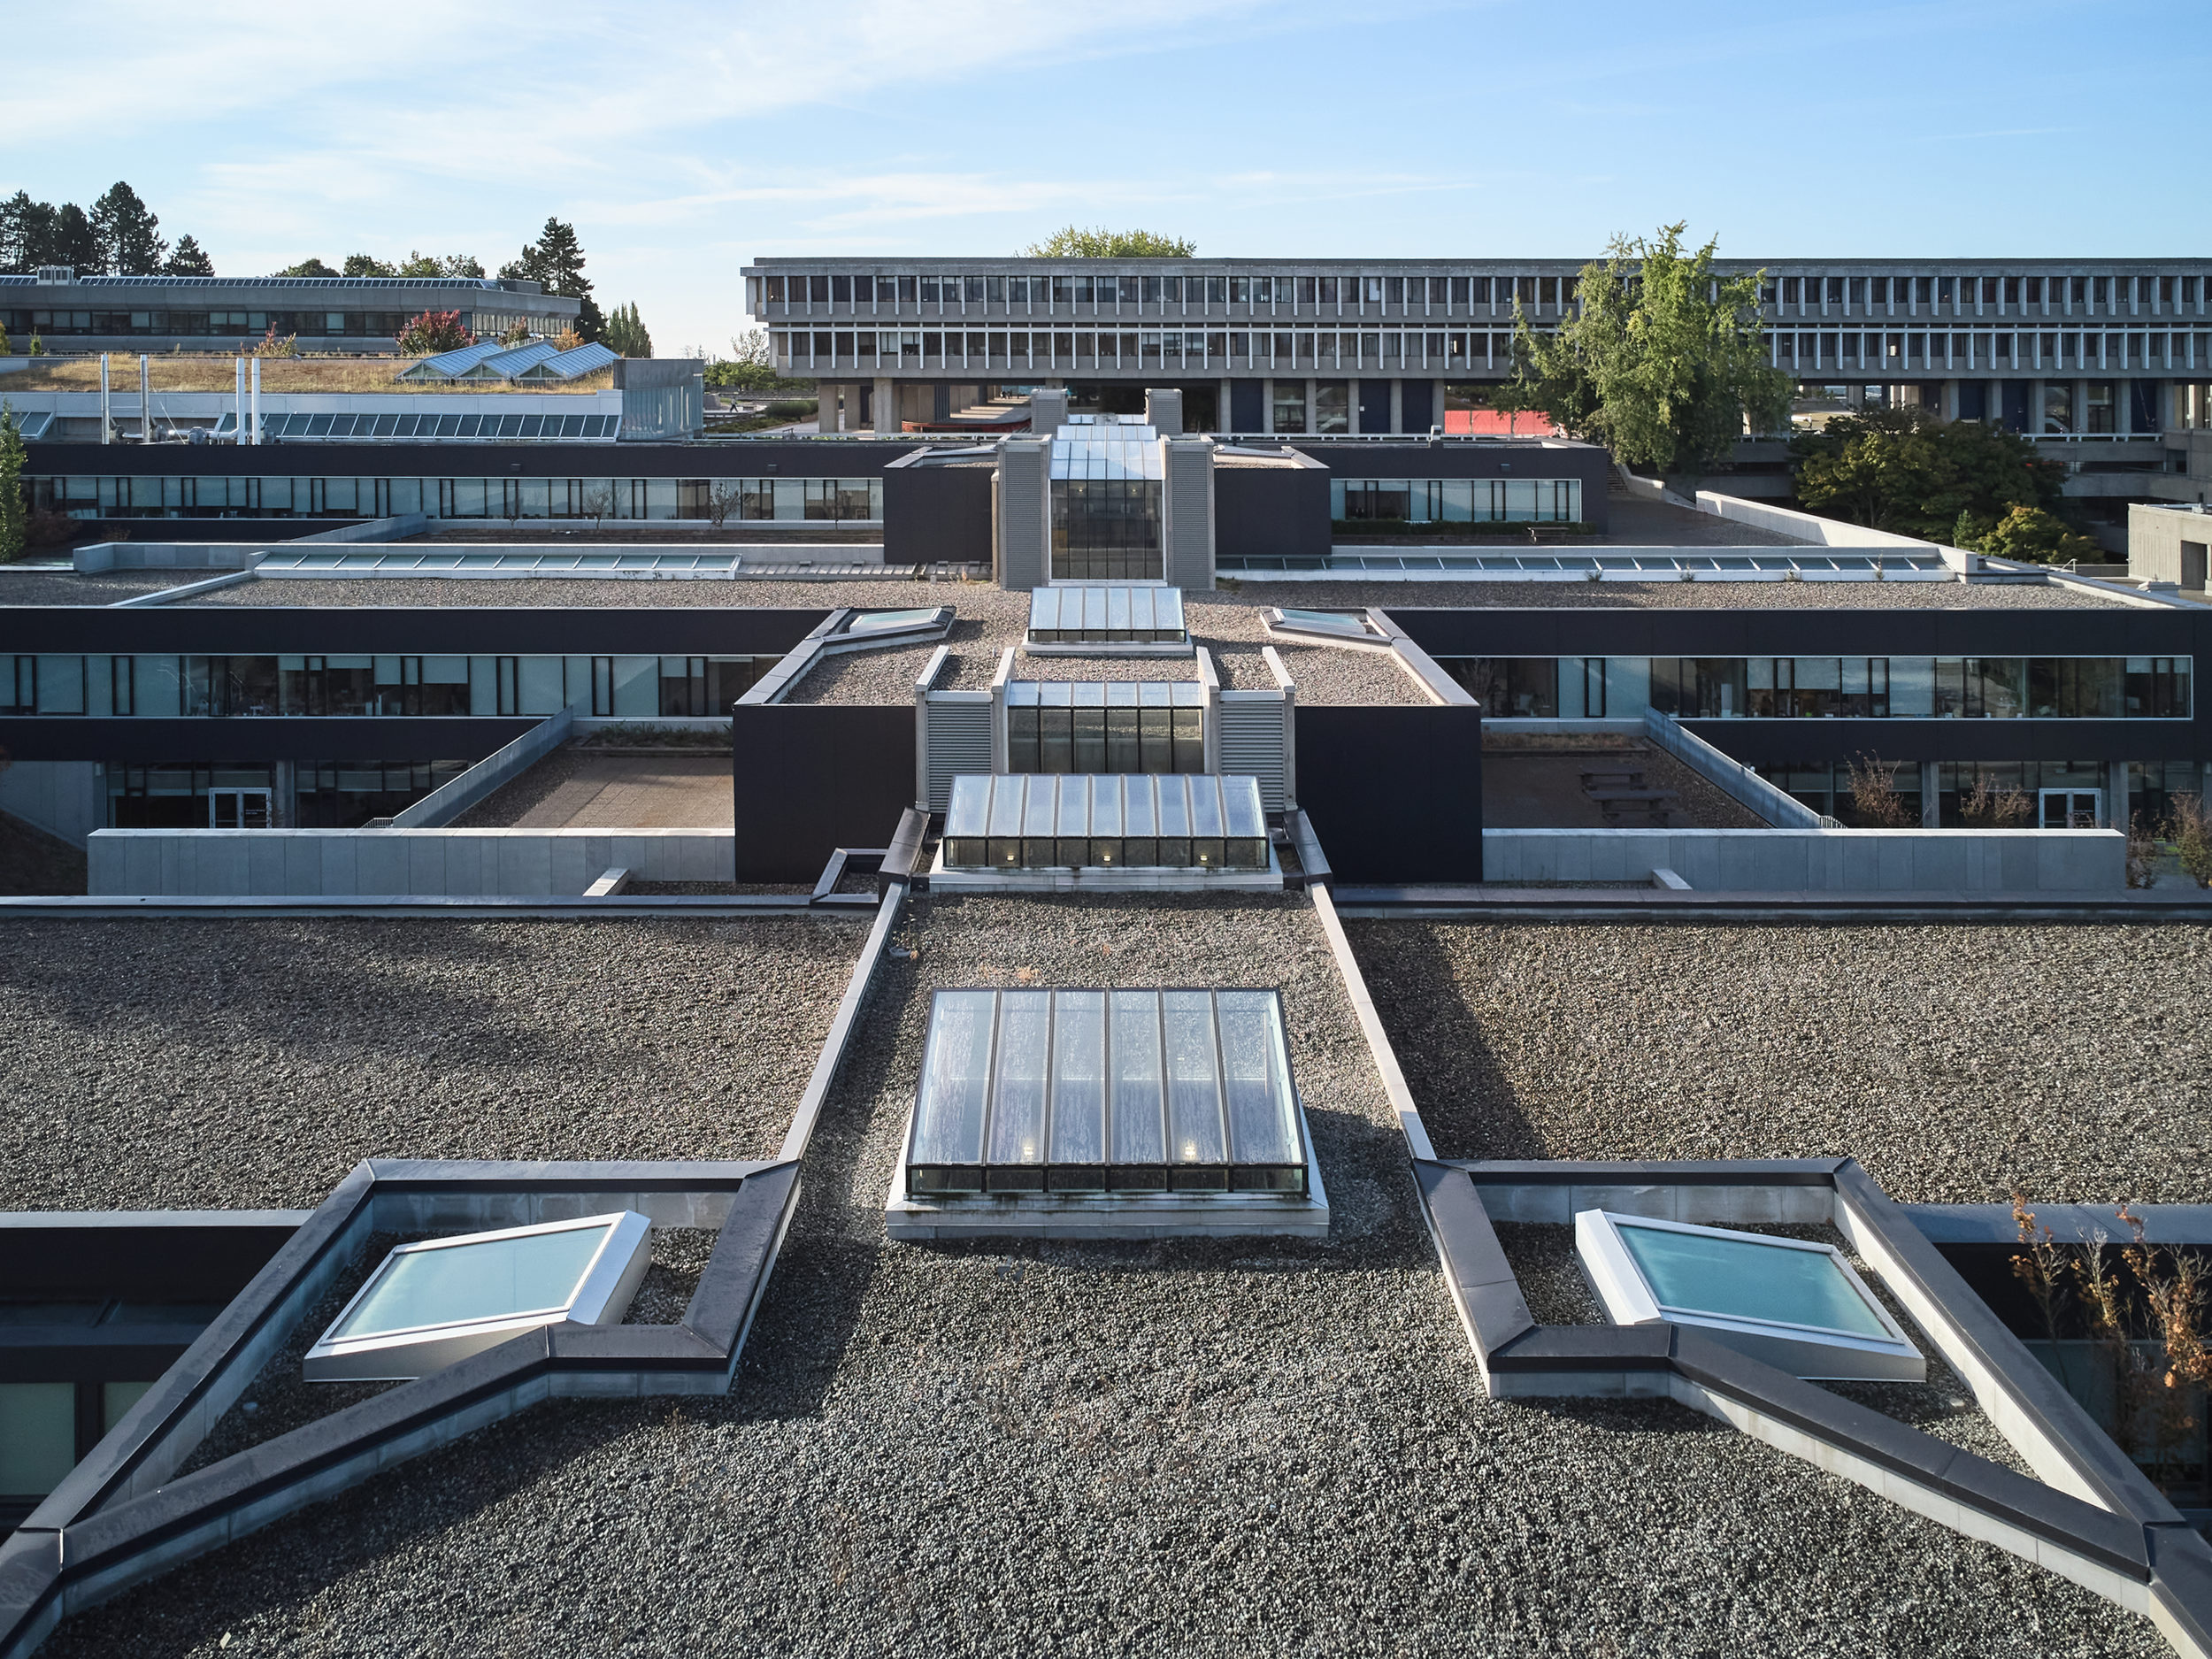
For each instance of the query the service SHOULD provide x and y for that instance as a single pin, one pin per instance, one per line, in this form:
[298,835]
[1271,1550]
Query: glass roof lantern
[1795,1304]
[1072,613]
[1105,1091]
[430,1303]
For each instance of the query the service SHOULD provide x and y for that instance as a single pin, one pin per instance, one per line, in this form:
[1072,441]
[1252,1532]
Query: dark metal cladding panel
[439,630]
[810,777]
[1395,793]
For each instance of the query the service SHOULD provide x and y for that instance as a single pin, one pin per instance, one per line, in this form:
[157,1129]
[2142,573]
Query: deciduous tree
[11,503]
[1072,241]
[1905,470]
[363,265]
[1663,359]
[308,267]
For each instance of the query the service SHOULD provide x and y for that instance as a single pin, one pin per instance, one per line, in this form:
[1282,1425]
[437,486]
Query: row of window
[1457,499]
[398,428]
[22,323]
[170,685]
[833,499]
[1357,295]
[255,795]
[1115,727]
[2051,794]
[1830,687]
[892,351]
[2006,353]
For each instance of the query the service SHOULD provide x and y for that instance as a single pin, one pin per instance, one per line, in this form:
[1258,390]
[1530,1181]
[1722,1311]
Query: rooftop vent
[1795,1304]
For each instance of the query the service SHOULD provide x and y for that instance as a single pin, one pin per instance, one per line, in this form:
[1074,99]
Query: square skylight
[1795,1304]
[430,1303]
[1105,1091]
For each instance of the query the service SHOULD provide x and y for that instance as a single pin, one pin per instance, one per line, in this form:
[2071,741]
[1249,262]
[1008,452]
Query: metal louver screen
[1251,741]
[959,741]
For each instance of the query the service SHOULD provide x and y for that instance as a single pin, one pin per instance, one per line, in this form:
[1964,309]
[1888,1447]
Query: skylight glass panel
[1197,821]
[431,1304]
[1123,1091]
[1791,1302]
[1348,624]
[1072,613]
[891,621]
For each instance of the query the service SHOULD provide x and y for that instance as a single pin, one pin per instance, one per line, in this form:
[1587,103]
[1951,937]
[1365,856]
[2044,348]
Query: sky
[684,141]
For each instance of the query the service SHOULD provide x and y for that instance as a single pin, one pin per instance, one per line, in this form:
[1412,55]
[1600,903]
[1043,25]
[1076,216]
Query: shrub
[1998,807]
[1875,802]
[433,331]
[2188,825]
[38,347]
[270,346]
[2033,536]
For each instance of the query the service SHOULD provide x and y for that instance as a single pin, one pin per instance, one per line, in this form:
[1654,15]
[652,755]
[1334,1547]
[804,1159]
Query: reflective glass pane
[1737,1278]
[1193,1081]
[1078,1078]
[955,1070]
[38,1436]
[1018,1100]
[1139,1133]
[489,1280]
[1255,1069]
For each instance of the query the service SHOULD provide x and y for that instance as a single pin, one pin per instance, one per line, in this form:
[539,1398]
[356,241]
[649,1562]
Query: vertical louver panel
[959,740]
[1252,741]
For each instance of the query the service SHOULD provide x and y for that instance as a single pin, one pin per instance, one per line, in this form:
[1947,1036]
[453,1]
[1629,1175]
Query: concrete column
[1950,400]
[1267,406]
[1931,795]
[105,436]
[241,366]
[145,400]
[1397,405]
[1224,418]
[254,387]
[1436,404]
[885,404]
[2124,407]
[2081,405]
[826,407]
[284,795]
[2116,795]
[1313,405]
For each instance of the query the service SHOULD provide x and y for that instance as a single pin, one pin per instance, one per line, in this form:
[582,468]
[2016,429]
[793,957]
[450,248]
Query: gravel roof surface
[1324,675]
[1221,1447]
[64,588]
[176,1064]
[576,788]
[1956,1063]
[566,591]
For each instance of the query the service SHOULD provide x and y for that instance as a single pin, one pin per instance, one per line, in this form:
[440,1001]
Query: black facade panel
[1395,794]
[439,630]
[1247,406]
[1781,742]
[1271,512]
[1417,405]
[937,515]
[154,741]
[810,777]
[68,1259]
[1374,405]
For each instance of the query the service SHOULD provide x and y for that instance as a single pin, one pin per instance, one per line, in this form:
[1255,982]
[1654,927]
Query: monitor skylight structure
[1104,1092]
[1155,726]
[1011,821]
[1791,1302]
[1105,479]
[431,1304]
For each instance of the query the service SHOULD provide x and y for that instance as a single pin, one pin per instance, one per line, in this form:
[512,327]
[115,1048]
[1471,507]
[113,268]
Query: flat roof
[578,788]
[1224,1437]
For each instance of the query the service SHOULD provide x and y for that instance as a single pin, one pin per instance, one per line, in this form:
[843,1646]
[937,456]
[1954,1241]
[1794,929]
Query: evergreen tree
[74,242]
[307,267]
[626,333]
[25,226]
[12,508]
[362,265]
[556,263]
[129,241]
[188,259]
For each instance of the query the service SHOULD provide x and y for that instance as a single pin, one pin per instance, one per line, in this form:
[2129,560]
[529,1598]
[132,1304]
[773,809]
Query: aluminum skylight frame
[1105,821]
[600,1295]
[1091,1090]
[1802,1349]
[1336,627]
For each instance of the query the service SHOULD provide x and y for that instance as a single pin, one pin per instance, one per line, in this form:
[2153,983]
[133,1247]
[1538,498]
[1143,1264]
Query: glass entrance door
[238,809]
[2067,809]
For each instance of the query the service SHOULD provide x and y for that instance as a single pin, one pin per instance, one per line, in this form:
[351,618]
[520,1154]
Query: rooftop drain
[1174,1093]
[431,1304]
[1795,1305]
[1120,615]
[1107,821]
[1124,725]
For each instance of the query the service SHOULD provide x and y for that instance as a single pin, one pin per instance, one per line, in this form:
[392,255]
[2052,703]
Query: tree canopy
[556,263]
[308,267]
[119,236]
[1908,471]
[1072,241]
[11,502]
[433,331]
[188,259]
[626,333]
[1663,359]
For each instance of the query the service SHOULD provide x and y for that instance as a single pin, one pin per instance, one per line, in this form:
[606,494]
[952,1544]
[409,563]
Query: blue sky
[685,140]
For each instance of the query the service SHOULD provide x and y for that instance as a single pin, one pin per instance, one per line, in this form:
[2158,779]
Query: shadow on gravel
[1470,1106]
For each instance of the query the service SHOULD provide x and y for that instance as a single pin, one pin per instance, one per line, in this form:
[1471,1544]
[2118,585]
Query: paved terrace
[1218,1448]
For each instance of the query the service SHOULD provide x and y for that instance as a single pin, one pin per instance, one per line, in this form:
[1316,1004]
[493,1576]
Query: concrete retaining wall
[231,556]
[1805,527]
[449,801]
[1814,861]
[61,797]
[391,862]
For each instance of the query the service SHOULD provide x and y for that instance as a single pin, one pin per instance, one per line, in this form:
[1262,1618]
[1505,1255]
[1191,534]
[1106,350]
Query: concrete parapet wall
[62,797]
[1814,861]
[232,556]
[449,801]
[1805,527]
[396,863]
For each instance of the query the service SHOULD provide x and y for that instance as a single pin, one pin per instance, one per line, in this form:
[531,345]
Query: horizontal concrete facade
[1817,861]
[395,863]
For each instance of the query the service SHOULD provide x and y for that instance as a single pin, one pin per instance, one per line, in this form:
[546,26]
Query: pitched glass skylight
[1350,624]
[430,1303]
[1071,614]
[1792,1303]
[1099,1091]
[892,621]
[1033,821]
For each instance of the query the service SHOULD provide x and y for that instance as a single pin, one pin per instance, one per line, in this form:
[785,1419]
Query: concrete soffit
[124,1514]
[2092,1517]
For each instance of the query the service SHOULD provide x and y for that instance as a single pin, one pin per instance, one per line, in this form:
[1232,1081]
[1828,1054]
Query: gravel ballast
[1224,1448]
[102,587]
[1956,1064]
[186,1065]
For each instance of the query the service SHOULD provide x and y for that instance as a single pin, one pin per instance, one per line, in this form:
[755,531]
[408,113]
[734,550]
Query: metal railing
[1780,808]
